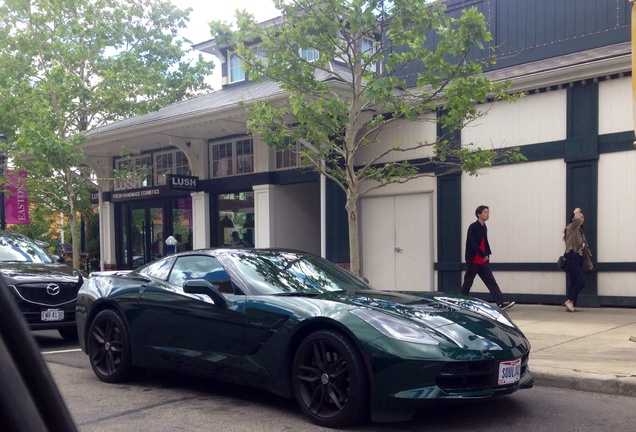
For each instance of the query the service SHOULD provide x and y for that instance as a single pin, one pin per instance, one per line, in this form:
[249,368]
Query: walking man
[478,258]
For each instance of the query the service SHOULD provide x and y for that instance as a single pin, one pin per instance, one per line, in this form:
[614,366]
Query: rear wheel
[330,381]
[108,347]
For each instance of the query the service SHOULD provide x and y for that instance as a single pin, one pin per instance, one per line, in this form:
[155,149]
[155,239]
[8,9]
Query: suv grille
[472,375]
[37,293]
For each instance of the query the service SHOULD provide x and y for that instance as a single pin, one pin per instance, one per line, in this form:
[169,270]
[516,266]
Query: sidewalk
[593,349]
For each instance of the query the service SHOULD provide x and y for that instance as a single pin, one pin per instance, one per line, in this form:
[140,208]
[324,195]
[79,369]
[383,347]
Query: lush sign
[181,182]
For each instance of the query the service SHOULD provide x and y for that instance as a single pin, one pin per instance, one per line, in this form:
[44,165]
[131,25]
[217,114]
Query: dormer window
[236,71]
[368,47]
[309,54]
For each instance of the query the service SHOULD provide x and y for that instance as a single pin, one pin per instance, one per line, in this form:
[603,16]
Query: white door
[397,242]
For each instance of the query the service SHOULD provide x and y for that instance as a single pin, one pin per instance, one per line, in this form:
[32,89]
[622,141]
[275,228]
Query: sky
[204,11]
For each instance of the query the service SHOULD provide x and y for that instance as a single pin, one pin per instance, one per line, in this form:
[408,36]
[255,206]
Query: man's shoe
[506,305]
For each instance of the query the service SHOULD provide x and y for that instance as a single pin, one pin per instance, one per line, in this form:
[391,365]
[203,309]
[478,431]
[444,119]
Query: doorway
[397,242]
[143,235]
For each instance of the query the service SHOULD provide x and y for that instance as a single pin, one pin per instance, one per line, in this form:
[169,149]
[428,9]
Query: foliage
[42,227]
[67,67]
[339,102]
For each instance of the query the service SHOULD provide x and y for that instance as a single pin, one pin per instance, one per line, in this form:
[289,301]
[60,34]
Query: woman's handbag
[563,263]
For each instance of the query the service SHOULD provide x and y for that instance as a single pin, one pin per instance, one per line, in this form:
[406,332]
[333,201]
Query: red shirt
[478,259]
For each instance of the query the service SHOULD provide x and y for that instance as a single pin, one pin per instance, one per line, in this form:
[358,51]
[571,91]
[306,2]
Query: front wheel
[108,348]
[330,381]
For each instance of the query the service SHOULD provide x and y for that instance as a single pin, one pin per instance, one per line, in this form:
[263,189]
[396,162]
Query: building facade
[572,61]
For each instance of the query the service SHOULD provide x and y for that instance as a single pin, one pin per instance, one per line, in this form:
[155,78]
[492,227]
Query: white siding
[527,208]
[542,283]
[616,198]
[531,119]
[262,157]
[405,134]
[616,284]
[615,106]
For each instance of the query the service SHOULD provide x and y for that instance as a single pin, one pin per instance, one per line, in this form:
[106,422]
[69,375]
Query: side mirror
[203,287]
[59,259]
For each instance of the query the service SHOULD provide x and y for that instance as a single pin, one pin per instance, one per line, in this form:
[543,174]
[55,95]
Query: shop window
[236,219]
[232,157]
[182,227]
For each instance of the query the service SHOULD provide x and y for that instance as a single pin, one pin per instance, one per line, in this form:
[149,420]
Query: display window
[236,219]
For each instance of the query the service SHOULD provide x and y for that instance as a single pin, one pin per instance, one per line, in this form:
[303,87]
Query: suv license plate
[52,315]
[509,372]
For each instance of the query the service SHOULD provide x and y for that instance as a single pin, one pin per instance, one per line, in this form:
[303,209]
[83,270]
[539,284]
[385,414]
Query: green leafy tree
[42,227]
[67,67]
[339,100]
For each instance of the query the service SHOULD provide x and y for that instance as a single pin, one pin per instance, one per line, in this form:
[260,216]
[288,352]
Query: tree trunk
[354,242]
[72,219]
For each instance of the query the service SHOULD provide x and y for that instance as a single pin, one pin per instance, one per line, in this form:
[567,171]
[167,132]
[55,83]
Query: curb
[584,381]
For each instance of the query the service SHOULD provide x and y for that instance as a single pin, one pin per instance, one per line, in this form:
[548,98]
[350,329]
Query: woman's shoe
[569,305]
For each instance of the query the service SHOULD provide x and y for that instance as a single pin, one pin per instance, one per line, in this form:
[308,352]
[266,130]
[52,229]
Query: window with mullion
[289,156]
[244,156]
[309,54]
[182,166]
[232,157]
[222,162]
[163,165]
[236,71]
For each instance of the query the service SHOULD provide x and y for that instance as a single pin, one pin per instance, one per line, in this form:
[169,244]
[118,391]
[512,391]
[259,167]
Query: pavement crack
[137,410]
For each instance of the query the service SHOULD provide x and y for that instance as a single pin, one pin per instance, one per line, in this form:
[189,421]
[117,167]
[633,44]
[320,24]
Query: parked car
[29,400]
[299,326]
[44,289]
[64,250]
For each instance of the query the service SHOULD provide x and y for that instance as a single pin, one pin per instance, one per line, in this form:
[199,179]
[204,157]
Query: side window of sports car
[199,267]
[159,269]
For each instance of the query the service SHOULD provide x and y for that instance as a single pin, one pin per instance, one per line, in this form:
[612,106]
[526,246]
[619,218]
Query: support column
[200,220]
[264,215]
[108,257]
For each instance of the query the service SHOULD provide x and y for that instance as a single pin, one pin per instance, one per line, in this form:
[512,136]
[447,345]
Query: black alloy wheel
[108,347]
[330,381]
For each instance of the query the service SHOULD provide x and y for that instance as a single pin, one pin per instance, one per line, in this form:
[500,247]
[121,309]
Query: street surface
[167,402]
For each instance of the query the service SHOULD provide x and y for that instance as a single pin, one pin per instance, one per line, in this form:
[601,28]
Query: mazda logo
[53,289]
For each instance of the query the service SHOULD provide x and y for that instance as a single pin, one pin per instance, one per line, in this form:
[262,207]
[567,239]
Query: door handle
[398,249]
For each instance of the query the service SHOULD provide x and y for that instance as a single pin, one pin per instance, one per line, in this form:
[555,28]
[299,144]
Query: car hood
[464,321]
[15,273]
[439,309]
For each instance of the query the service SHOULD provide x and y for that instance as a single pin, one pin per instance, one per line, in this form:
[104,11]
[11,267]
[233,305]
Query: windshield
[22,249]
[291,273]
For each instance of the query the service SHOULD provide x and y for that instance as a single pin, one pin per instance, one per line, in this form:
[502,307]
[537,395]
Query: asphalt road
[170,402]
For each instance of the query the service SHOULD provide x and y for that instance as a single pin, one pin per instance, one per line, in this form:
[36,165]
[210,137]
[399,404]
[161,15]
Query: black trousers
[484,272]
[577,279]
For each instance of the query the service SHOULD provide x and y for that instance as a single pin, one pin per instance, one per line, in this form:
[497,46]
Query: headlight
[394,327]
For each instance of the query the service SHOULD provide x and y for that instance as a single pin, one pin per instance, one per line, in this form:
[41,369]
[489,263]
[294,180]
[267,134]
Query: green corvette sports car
[301,327]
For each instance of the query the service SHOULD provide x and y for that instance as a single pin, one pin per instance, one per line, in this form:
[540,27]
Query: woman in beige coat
[577,253]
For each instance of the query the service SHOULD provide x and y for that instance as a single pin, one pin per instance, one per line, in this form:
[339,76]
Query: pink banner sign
[16,201]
